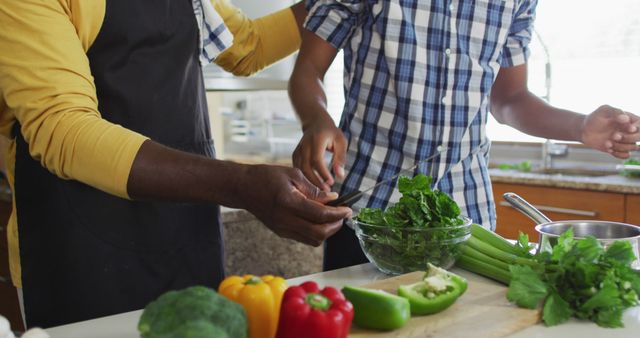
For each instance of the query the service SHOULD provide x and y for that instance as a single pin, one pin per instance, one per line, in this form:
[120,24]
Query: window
[594,52]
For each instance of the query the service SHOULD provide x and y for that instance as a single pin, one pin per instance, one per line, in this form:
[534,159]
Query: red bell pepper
[309,312]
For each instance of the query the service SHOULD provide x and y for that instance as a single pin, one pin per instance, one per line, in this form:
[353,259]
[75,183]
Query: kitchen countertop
[609,183]
[124,325]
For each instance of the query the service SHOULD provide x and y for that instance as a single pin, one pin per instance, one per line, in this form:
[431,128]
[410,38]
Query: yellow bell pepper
[260,297]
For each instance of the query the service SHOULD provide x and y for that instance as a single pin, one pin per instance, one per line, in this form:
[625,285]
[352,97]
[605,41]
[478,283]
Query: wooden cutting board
[483,311]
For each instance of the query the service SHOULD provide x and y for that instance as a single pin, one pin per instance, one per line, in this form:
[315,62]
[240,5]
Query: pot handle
[526,208]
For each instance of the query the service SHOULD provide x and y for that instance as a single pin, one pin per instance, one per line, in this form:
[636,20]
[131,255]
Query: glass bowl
[397,250]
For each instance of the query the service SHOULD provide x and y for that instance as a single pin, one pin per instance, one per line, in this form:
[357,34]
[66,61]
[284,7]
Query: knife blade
[352,197]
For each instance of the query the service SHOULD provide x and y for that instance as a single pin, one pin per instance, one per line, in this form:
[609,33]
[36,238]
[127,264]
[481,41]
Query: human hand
[611,130]
[288,204]
[309,154]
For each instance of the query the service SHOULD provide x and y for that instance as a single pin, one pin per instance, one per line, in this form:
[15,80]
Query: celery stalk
[496,253]
[473,253]
[484,269]
[493,239]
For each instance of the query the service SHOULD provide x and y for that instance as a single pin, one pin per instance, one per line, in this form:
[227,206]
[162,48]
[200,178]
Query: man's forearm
[279,197]
[162,173]
[305,86]
[513,104]
[307,94]
[532,115]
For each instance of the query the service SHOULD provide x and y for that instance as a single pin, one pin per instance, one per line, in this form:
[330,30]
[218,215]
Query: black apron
[342,250]
[87,254]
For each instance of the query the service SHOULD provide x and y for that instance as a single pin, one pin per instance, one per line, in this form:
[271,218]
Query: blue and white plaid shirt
[418,74]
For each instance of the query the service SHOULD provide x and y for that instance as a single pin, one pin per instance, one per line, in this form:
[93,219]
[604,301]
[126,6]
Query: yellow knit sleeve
[256,43]
[46,86]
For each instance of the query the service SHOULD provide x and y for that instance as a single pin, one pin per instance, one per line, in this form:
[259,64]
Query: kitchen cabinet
[632,205]
[558,204]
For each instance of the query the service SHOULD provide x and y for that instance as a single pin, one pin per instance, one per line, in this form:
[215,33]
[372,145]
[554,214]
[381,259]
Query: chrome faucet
[547,67]
[551,150]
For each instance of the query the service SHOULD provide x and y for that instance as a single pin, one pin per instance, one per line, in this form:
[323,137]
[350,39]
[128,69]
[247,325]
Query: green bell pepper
[438,290]
[376,309]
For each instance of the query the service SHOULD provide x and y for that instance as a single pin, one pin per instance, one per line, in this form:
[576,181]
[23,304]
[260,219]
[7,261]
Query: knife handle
[346,199]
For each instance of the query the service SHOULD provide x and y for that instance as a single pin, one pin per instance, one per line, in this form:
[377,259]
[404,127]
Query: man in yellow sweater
[105,107]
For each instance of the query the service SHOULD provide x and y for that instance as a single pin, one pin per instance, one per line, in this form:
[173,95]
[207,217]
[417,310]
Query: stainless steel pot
[605,232]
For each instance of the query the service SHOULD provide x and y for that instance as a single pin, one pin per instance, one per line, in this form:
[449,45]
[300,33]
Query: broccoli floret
[199,329]
[195,312]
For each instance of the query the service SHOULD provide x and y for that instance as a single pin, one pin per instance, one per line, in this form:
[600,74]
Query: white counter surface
[124,325]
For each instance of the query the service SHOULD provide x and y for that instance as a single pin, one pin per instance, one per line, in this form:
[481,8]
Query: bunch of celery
[489,254]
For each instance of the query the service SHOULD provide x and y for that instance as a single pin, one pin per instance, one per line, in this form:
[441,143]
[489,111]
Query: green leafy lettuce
[423,227]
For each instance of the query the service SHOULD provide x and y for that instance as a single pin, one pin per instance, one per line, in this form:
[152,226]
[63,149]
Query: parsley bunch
[590,282]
